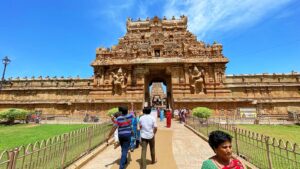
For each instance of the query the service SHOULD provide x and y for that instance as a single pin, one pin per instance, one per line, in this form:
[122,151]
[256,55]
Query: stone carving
[197,80]
[98,74]
[119,81]
[217,49]
[170,36]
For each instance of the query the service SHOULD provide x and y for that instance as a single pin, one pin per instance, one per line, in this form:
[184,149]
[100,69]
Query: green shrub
[202,112]
[112,111]
[12,114]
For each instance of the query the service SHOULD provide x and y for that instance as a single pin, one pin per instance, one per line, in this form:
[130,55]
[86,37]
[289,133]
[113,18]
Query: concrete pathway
[163,153]
[177,147]
[189,150]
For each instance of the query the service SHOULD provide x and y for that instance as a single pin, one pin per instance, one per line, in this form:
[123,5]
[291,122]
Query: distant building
[157,95]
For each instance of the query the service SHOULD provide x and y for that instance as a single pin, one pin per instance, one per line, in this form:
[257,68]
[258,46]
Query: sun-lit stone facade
[156,50]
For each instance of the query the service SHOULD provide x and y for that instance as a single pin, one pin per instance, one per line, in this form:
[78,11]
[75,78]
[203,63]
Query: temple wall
[61,96]
[69,96]
[267,78]
[264,86]
[269,94]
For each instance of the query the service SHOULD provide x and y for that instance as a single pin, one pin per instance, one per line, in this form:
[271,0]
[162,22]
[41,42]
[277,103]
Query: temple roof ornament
[159,39]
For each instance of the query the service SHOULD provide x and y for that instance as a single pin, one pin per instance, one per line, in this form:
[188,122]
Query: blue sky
[59,37]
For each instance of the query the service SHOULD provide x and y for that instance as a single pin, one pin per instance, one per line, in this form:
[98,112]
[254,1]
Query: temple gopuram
[158,96]
[156,50]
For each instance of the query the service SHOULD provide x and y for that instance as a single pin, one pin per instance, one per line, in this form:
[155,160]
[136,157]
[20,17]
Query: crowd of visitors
[181,114]
[130,130]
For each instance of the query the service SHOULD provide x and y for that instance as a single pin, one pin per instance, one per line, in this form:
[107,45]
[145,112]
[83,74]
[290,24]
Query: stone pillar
[140,73]
[129,74]
[186,74]
[175,74]
[102,76]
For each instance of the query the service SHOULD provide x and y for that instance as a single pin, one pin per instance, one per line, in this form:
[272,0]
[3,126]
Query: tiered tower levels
[159,40]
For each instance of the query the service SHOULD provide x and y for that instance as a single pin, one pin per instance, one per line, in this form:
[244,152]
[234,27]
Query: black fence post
[268,152]
[236,141]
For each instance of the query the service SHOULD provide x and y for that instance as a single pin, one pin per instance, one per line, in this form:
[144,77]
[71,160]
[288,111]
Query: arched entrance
[158,75]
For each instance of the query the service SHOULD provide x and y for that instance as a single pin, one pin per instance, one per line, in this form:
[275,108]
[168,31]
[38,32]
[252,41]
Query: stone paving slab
[163,153]
[188,151]
[104,160]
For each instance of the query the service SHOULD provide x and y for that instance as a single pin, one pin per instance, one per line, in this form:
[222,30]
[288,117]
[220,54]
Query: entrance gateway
[160,50]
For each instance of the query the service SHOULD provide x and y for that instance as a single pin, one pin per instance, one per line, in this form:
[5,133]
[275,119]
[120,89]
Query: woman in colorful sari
[220,142]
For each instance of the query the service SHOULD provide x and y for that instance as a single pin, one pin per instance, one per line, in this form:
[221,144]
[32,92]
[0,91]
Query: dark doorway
[158,94]
[159,79]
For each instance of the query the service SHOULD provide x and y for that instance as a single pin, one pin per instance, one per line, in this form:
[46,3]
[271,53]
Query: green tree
[12,114]
[202,112]
[112,111]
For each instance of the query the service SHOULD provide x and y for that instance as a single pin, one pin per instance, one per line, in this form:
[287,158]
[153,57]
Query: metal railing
[259,120]
[56,152]
[260,150]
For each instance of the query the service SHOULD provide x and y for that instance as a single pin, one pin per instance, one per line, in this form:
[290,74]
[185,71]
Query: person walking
[135,137]
[123,124]
[148,129]
[180,115]
[162,114]
[184,112]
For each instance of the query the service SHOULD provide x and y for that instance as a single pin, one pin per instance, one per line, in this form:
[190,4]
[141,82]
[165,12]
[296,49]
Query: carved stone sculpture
[98,76]
[197,80]
[119,82]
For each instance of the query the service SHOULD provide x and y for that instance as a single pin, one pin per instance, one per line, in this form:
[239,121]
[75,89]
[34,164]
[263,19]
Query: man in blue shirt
[123,124]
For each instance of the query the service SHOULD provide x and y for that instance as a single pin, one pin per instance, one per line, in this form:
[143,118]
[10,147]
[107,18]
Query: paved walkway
[176,147]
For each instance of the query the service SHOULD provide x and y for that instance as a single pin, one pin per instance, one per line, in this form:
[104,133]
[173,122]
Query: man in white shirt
[148,128]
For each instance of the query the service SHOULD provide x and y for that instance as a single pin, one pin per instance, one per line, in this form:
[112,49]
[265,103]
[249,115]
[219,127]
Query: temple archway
[157,76]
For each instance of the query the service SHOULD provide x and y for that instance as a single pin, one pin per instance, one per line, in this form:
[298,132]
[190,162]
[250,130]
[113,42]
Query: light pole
[5,61]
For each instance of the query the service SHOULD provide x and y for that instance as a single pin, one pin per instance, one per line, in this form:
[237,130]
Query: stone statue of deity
[119,80]
[197,80]
[98,76]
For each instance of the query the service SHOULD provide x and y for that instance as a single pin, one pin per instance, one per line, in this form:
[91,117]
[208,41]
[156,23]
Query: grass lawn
[286,132]
[23,134]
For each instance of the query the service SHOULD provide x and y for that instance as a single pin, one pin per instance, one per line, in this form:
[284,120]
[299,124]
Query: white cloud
[117,11]
[114,11]
[222,15]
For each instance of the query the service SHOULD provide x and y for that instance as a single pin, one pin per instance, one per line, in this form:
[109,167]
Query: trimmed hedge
[12,114]
[201,112]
